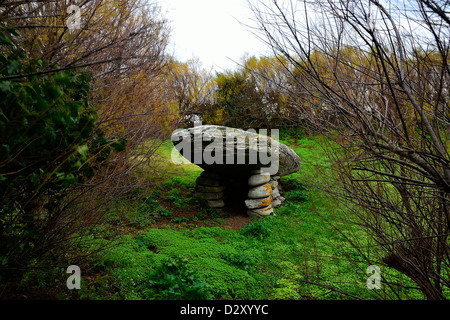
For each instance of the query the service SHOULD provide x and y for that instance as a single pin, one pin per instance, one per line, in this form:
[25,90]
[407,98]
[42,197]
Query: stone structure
[240,161]
[210,186]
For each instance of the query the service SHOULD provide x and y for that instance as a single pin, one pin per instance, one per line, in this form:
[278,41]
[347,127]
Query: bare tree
[374,75]
[192,88]
[109,36]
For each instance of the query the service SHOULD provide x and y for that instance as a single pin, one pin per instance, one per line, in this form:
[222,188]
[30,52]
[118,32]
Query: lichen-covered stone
[262,191]
[275,193]
[273,183]
[258,179]
[261,212]
[258,203]
[224,144]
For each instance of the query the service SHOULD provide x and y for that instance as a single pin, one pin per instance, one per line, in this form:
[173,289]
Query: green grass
[301,253]
[183,174]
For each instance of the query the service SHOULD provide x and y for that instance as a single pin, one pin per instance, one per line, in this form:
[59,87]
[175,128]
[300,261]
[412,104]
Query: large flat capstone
[231,151]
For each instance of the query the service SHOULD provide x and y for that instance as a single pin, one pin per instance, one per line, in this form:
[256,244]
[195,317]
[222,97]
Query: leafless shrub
[374,76]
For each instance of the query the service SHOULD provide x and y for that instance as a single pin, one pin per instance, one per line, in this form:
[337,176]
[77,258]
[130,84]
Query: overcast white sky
[211,31]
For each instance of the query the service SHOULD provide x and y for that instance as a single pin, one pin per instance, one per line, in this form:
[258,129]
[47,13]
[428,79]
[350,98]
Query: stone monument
[235,159]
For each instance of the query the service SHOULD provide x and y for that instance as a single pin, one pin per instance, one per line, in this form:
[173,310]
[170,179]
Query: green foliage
[39,279]
[256,229]
[199,203]
[180,220]
[239,99]
[203,246]
[295,190]
[291,132]
[288,287]
[241,259]
[45,126]
[248,99]
[174,280]
[177,182]
[174,196]
[127,261]
[142,211]
[230,92]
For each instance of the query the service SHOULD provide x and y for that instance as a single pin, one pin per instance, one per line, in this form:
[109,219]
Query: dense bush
[46,130]
[256,229]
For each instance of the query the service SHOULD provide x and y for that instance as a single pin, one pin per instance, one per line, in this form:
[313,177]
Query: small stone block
[210,174]
[207,189]
[276,203]
[275,193]
[210,196]
[262,212]
[203,181]
[216,203]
